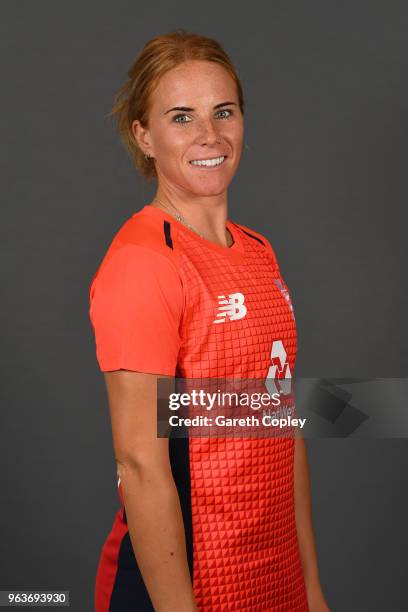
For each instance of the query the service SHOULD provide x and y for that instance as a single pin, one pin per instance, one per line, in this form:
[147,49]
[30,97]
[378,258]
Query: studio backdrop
[322,176]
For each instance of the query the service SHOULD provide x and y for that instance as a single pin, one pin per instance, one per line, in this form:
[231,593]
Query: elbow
[145,468]
[130,464]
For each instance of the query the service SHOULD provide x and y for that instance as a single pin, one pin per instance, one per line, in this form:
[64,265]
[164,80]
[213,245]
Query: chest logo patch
[279,367]
[230,307]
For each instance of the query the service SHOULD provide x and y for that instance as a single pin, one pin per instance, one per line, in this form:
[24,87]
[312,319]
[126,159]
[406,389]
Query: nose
[209,132]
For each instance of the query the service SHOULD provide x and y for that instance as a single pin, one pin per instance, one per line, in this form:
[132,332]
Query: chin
[209,187]
[200,190]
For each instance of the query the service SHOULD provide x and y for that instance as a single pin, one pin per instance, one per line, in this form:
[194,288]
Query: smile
[208,163]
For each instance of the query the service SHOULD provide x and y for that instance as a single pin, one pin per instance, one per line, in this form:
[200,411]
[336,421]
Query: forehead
[195,80]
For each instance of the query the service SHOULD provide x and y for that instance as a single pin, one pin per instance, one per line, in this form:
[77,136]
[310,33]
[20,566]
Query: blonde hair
[158,56]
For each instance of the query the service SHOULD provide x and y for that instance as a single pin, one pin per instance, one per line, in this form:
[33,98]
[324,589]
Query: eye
[225,110]
[178,119]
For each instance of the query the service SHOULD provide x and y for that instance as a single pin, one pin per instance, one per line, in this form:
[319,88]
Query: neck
[207,215]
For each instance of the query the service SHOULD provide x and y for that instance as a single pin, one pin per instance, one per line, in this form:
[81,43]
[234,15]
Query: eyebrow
[188,109]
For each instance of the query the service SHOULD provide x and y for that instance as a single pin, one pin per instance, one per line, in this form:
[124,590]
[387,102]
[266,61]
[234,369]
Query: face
[194,117]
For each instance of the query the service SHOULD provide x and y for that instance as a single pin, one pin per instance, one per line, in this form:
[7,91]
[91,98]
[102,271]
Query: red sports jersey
[166,301]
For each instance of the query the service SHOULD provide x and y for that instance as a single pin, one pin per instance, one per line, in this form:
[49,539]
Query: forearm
[157,534]
[303,514]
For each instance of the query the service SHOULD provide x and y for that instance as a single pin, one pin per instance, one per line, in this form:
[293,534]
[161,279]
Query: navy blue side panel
[129,592]
[180,465]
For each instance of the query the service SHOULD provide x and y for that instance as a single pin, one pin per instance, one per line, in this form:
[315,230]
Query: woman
[205,524]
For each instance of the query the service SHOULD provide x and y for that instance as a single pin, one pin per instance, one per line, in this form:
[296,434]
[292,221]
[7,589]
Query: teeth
[208,162]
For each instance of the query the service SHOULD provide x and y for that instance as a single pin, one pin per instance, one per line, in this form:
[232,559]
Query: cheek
[172,145]
[238,133]
[233,133]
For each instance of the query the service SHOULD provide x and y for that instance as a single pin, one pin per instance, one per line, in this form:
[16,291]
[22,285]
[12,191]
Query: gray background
[323,177]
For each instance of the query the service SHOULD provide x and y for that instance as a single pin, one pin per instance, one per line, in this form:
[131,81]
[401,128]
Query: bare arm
[150,495]
[304,525]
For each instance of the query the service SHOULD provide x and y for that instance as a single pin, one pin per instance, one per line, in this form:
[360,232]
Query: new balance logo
[231,307]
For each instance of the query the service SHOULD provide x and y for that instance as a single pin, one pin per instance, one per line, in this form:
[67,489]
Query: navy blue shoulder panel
[167,234]
[252,236]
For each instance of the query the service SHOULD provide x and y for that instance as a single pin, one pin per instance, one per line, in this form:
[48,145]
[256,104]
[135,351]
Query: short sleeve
[136,306]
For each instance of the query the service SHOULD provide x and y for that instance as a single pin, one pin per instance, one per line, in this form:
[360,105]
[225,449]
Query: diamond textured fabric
[245,545]
[246,553]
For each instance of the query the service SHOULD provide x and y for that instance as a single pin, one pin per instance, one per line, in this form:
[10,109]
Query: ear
[142,137]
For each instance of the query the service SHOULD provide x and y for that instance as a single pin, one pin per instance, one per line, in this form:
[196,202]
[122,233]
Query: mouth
[210,162]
